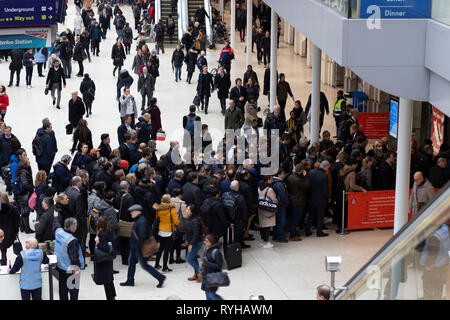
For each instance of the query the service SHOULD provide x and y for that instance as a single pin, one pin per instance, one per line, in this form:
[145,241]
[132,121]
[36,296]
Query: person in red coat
[4,102]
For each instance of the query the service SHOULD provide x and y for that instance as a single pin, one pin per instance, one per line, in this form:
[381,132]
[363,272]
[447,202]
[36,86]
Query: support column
[233,24]
[403,163]
[221,8]
[249,30]
[273,59]
[315,94]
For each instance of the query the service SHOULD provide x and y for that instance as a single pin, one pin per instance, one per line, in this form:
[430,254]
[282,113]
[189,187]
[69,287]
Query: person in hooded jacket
[146,198]
[87,88]
[15,66]
[9,223]
[50,148]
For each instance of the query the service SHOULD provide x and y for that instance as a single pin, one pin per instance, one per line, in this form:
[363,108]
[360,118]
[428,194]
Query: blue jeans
[119,33]
[177,73]
[281,221]
[297,213]
[192,257]
[212,296]
[247,127]
[136,256]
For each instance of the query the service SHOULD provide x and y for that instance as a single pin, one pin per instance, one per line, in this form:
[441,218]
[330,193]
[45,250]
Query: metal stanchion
[50,279]
[343,231]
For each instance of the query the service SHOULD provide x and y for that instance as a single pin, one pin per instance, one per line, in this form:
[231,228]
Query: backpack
[38,148]
[17,186]
[230,205]
[93,216]
[226,57]
[135,166]
[170,23]
[120,23]
[158,30]
[190,124]
[200,64]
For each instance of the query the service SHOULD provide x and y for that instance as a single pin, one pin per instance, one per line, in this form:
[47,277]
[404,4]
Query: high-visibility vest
[337,110]
[442,257]
[30,274]
[62,240]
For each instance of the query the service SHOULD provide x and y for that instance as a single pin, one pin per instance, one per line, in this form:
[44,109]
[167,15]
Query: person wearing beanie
[87,88]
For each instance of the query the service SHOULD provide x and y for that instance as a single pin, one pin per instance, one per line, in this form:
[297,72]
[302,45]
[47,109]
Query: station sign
[395,9]
[23,38]
[27,13]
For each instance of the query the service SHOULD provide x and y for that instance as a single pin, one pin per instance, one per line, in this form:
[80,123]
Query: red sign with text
[374,125]
[437,129]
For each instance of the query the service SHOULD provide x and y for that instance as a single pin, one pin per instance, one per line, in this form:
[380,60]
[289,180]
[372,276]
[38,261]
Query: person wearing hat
[123,165]
[139,233]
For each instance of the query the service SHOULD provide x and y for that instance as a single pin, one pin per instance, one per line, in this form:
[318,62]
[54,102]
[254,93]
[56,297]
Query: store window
[441,11]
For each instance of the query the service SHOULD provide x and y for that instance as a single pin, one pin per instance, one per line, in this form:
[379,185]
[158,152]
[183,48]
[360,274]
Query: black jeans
[39,66]
[63,290]
[265,232]
[81,67]
[282,104]
[88,105]
[87,52]
[28,75]
[3,250]
[316,214]
[45,167]
[223,104]
[81,233]
[104,31]
[165,246]
[127,48]
[96,47]
[124,248]
[35,294]
[147,95]
[11,76]
[176,247]
[259,53]
[266,57]
[110,291]
[204,99]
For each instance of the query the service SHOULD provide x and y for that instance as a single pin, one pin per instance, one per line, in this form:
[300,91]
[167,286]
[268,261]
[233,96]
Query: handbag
[196,101]
[175,235]
[260,122]
[149,247]
[17,246]
[32,201]
[217,279]
[267,204]
[69,129]
[102,256]
[46,91]
[125,226]
[161,136]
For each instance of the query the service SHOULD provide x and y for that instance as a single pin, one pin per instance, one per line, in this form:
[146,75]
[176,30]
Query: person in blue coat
[29,261]
[205,86]
[50,148]
[61,174]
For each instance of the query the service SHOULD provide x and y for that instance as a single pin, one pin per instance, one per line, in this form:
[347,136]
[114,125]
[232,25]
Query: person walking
[177,62]
[265,48]
[118,55]
[338,109]
[65,54]
[160,30]
[29,262]
[422,192]
[193,229]
[104,22]
[283,89]
[267,219]
[81,135]
[78,55]
[87,88]
[323,108]
[205,86]
[191,63]
[127,37]
[96,38]
[251,116]
[212,262]
[76,109]
[146,86]
[40,57]
[4,103]
[119,23]
[85,38]
[226,55]
[190,128]
[222,84]
[47,138]
[239,95]
[55,81]
[168,220]
[128,106]
[15,66]
[103,271]
[170,23]
[234,117]
[69,255]
[140,232]
[28,60]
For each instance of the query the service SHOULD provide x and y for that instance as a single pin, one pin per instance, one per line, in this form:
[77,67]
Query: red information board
[437,129]
[374,125]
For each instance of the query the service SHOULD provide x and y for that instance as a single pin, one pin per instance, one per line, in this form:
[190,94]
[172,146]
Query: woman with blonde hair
[42,189]
[168,220]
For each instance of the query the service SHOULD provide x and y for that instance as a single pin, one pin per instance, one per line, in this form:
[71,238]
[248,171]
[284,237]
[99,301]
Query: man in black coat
[265,48]
[187,40]
[105,173]
[177,62]
[200,15]
[145,128]
[318,198]
[124,127]
[437,175]
[55,80]
[76,109]
[205,86]
[213,213]
[15,66]
[78,207]
[191,192]
[323,107]
[146,198]
[124,148]
[48,140]
[105,149]
[386,177]
[61,172]
[239,95]
[104,22]
[222,84]
[123,201]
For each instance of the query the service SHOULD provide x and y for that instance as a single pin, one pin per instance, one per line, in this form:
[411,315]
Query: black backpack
[230,205]
[120,23]
[38,148]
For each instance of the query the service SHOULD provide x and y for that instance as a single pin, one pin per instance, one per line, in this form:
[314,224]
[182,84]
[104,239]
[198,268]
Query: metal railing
[157,11]
[208,23]
[182,18]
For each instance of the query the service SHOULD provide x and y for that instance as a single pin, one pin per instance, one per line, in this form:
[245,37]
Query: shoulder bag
[17,246]
[217,279]
[102,256]
[149,246]
[267,204]
[125,226]
[175,234]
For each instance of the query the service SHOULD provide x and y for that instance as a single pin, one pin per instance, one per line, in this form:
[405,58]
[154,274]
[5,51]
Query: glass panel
[339,5]
[441,11]
[414,264]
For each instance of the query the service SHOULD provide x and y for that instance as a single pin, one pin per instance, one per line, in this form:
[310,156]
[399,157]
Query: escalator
[193,5]
[166,9]
[414,264]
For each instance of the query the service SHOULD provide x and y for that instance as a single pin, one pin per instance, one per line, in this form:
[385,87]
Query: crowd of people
[112,199]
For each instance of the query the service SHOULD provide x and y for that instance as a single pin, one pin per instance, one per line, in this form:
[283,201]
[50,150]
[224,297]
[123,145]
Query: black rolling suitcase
[233,252]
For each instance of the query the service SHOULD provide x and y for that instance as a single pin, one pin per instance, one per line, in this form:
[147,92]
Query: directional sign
[396,9]
[27,13]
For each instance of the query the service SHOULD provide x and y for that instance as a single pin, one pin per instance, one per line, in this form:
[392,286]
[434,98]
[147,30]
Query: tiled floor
[287,271]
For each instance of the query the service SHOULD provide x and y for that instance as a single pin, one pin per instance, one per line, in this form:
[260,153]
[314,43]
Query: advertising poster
[396,9]
[21,38]
[393,119]
[27,13]
[374,125]
[437,129]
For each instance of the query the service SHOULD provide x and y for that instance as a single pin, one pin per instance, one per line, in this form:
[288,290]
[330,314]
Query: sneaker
[160,284]
[127,284]
[157,267]
[262,244]
[268,246]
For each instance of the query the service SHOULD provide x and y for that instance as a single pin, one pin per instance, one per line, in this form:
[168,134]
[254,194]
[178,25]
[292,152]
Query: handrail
[157,11]
[409,232]
[181,19]
[208,23]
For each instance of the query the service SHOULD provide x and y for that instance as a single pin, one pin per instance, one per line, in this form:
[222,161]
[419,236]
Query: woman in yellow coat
[168,220]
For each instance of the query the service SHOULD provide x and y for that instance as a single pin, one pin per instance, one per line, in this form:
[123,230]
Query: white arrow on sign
[50,8]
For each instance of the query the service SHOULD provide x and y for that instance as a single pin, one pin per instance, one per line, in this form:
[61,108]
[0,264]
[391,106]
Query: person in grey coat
[146,86]
[128,106]
[422,192]
[318,198]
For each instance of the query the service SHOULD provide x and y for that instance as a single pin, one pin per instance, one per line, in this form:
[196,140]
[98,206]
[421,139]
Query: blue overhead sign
[395,9]
[27,13]
[393,119]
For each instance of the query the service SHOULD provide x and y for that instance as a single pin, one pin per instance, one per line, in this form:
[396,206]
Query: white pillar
[221,8]
[315,94]
[405,119]
[249,30]
[273,59]
[233,24]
